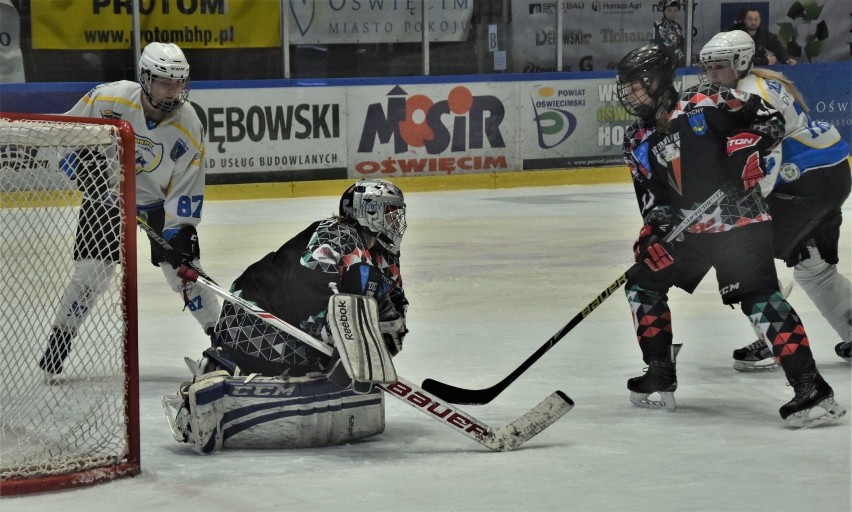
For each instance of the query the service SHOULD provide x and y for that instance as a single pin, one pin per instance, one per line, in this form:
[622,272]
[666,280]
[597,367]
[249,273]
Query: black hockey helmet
[653,70]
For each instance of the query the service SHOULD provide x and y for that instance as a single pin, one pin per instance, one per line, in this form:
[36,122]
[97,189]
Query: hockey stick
[459,395]
[154,236]
[507,437]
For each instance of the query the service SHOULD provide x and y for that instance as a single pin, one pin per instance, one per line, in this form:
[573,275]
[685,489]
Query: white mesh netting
[75,420]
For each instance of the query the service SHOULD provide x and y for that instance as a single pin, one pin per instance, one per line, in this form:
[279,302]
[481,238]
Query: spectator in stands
[768,49]
[668,33]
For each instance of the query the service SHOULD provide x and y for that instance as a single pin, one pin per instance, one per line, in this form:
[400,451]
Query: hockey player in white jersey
[806,186]
[169,192]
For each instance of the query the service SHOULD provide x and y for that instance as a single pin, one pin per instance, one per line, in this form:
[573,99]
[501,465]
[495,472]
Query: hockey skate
[176,408]
[55,354]
[844,350]
[754,357]
[660,377]
[212,359]
[813,404]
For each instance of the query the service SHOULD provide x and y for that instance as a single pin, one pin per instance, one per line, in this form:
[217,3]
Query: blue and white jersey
[169,154]
[807,144]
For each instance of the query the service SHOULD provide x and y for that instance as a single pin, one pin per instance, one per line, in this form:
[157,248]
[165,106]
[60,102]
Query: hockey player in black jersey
[356,252]
[681,149]
[295,395]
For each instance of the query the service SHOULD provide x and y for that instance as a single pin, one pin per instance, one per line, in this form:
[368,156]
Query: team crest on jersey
[149,154]
[110,114]
[641,155]
[178,150]
[789,172]
[325,254]
[697,122]
[667,153]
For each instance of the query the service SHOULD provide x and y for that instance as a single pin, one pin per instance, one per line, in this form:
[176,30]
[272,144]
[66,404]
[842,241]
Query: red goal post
[80,427]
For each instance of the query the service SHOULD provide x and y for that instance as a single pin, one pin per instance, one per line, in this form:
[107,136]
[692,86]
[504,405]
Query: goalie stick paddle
[457,395]
[507,437]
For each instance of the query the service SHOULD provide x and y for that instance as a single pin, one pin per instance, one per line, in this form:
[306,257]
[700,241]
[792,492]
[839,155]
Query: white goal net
[68,382]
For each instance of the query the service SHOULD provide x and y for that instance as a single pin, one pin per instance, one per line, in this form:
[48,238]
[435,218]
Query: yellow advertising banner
[107,24]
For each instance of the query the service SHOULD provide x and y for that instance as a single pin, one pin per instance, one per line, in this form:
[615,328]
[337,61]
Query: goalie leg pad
[353,321]
[299,412]
[195,414]
[255,412]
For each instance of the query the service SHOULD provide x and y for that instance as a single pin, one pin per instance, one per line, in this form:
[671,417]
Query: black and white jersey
[293,283]
[669,35]
[682,168]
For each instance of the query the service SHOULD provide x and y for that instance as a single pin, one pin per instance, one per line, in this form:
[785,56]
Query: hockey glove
[745,158]
[651,248]
[393,332]
[184,247]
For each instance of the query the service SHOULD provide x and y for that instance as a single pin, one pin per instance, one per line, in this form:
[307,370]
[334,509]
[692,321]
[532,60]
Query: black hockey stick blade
[457,395]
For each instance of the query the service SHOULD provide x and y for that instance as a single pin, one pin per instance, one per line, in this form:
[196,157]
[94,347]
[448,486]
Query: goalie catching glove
[745,163]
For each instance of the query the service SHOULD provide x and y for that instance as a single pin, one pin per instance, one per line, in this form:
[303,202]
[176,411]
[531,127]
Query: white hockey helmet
[378,206]
[736,47]
[167,63]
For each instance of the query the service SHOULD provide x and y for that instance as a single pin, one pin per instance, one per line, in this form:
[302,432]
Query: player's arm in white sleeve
[85,107]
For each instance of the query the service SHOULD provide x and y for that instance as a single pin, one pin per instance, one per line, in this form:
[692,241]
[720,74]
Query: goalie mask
[164,76]
[378,206]
[725,51]
[646,81]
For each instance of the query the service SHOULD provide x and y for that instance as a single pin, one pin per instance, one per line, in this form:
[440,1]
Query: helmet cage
[164,63]
[378,206]
[631,97]
[653,70]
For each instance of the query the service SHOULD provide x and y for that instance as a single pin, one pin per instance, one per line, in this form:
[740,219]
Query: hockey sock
[829,290]
[89,281]
[200,301]
[652,320]
[783,329]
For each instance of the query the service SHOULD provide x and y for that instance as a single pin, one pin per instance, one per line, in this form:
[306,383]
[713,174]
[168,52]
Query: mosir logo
[418,121]
[457,124]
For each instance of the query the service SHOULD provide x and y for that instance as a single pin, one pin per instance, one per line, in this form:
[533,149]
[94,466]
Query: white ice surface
[491,275]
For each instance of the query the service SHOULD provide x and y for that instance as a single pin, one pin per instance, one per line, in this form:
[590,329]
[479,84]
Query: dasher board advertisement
[433,129]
